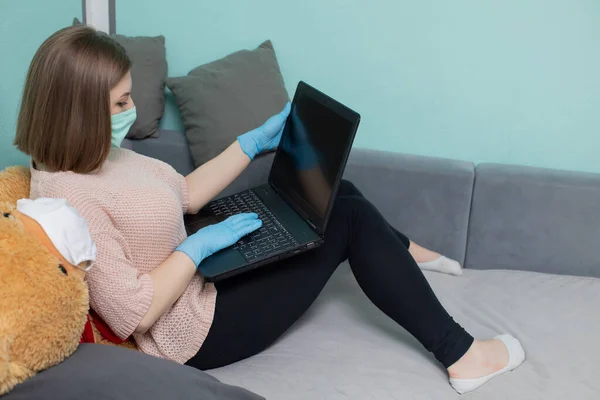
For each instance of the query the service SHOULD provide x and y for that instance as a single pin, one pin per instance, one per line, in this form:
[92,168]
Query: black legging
[256,308]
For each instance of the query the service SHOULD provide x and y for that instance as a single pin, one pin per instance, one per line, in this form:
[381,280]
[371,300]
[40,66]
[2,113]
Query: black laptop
[295,204]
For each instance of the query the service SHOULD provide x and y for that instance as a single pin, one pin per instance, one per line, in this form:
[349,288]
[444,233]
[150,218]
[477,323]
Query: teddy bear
[44,303]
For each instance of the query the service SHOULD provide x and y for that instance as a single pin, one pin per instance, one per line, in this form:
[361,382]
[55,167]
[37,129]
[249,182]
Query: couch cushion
[225,98]
[535,219]
[344,348]
[97,371]
[426,198]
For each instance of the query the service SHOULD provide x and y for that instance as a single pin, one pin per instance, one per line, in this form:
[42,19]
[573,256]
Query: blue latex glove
[265,137]
[298,145]
[213,238]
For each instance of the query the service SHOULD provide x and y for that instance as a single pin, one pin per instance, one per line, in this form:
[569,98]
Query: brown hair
[64,121]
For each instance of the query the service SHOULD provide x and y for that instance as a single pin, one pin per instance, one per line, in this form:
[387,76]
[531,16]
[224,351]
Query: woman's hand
[265,137]
[209,179]
[213,238]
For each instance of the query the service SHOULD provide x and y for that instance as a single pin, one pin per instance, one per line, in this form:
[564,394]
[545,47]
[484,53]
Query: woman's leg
[254,309]
[391,279]
[483,357]
[419,253]
[426,259]
[348,189]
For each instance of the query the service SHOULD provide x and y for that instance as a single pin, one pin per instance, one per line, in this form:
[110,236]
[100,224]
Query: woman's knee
[348,188]
[353,206]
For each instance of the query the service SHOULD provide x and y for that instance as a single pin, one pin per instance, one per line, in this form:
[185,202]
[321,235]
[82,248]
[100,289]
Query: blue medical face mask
[120,125]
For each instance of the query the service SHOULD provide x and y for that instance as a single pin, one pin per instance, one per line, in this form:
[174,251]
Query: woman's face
[120,96]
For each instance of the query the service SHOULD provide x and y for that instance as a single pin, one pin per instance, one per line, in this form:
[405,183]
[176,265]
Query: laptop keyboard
[271,238]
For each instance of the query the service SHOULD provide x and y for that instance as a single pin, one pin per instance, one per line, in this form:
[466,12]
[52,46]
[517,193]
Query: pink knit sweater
[134,206]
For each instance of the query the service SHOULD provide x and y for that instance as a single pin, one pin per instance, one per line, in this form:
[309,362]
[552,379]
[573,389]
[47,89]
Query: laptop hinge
[310,223]
[274,187]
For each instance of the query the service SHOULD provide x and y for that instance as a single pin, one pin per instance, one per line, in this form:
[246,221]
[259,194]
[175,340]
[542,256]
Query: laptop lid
[310,160]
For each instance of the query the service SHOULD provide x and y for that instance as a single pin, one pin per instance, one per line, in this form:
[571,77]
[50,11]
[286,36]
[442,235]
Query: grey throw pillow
[148,73]
[225,98]
[97,371]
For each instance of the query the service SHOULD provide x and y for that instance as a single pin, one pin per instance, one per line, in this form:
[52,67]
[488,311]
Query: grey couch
[529,241]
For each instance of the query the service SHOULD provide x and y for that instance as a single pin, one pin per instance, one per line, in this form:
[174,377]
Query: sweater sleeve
[118,292]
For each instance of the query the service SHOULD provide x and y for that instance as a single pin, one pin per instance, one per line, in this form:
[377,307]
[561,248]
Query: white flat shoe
[443,265]
[516,356]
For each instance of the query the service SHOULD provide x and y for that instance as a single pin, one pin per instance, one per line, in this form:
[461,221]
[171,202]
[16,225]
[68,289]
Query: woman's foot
[421,254]
[484,360]
[431,261]
[443,265]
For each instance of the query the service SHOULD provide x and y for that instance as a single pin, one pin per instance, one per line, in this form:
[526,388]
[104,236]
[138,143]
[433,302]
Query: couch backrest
[501,216]
[426,198]
[535,219]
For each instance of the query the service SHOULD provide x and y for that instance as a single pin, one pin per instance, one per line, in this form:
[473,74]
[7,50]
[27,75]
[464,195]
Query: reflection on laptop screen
[311,153]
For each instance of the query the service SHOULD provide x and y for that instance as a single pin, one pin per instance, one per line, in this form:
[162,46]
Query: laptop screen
[314,147]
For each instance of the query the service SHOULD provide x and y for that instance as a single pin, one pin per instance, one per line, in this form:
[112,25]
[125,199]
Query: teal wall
[516,81]
[513,81]
[24,25]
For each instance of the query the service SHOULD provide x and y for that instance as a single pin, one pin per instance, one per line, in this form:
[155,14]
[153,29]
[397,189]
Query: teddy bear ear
[14,184]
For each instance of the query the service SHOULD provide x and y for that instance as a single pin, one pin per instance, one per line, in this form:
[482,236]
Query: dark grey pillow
[97,371]
[225,98]
[148,73]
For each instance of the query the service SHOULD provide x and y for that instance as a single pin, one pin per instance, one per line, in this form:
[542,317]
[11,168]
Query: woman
[77,102]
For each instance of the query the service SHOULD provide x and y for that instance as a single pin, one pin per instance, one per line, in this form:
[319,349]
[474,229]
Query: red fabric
[104,329]
[88,333]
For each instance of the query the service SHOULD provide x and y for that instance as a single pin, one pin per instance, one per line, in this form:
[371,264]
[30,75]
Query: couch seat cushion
[344,348]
